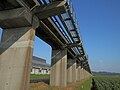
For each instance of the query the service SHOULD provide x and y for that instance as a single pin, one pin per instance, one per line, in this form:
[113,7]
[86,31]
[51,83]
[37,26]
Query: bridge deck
[58,31]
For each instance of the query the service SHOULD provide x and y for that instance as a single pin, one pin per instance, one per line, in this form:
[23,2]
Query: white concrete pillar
[59,68]
[74,72]
[81,74]
[78,73]
[16,50]
[84,74]
[71,70]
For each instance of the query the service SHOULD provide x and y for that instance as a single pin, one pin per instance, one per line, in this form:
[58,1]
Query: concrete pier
[78,74]
[16,49]
[58,76]
[71,70]
[19,20]
[81,73]
[74,72]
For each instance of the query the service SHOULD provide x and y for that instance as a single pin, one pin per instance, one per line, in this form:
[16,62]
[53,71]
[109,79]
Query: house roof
[39,62]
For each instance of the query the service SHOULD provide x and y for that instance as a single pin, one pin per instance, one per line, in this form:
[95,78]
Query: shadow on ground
[46,81]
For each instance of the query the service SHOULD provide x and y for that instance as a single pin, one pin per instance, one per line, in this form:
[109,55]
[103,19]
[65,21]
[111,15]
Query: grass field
[34,76]
[79,85]
[106,82]
[86,85]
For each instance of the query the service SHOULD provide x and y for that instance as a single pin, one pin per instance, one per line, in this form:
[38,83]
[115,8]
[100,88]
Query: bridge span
[53,21]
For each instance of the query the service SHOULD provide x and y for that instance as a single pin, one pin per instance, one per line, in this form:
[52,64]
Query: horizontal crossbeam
[70,45]
[52,9]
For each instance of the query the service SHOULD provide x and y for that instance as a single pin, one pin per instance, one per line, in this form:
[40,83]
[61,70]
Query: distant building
[39,66]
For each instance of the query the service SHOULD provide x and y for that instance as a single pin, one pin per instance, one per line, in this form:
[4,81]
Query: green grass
[34,76]
[79,85]
[86,85]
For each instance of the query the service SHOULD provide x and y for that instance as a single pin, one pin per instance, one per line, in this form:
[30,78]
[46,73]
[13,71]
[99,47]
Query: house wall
[40,71]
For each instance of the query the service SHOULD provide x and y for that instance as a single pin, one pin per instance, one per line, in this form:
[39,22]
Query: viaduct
[53,21]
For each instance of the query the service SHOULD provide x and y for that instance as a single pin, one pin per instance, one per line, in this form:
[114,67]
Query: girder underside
[47,35]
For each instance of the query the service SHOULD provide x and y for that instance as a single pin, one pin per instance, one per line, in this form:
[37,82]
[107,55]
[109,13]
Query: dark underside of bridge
[46,33]
[47,29]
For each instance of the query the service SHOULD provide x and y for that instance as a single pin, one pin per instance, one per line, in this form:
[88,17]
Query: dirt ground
[44,86]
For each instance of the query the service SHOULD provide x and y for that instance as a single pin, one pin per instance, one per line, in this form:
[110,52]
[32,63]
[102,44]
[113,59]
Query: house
[39,66]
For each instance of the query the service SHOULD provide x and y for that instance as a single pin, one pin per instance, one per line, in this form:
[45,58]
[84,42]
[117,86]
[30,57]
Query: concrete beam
[16,50]
[73,45]
[79,56]
[8,4]
[18,17]
[15,18]
[71,70]
[52,9]
[58,76]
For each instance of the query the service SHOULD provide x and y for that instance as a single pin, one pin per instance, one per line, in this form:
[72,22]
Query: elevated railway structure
[53,21]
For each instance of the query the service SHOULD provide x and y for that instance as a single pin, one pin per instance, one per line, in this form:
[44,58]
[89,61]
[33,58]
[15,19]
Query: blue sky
[99,22]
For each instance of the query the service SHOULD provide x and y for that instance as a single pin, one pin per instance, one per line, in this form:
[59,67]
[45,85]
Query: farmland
[106,82]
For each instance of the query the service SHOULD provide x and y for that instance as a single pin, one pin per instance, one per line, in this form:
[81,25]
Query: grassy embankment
[86,85]
[79,85]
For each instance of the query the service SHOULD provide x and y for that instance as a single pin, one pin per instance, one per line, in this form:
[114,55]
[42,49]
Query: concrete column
[71,70]
[59,68]
[78,73]
[83,72]
[87,74]
[74,72]
[16,49]
[82,76]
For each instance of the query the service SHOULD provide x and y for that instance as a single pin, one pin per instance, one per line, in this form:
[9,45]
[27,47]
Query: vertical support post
[71,70]
[59,68]
[74,72]
[16,49]
[81,74]
[78,73]
[84,74]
